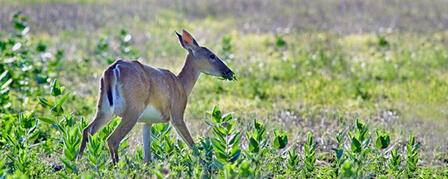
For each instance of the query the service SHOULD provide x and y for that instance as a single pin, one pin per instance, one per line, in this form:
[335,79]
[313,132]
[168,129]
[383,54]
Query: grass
[305,87]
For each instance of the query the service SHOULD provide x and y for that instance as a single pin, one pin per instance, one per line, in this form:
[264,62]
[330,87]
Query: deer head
[205,61]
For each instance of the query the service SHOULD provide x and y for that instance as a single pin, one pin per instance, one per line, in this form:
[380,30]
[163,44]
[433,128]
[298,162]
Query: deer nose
[228,75]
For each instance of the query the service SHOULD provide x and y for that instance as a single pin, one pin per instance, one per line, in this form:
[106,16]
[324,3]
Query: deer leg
[128,122]
[181,128]
[147,141]
[101,118]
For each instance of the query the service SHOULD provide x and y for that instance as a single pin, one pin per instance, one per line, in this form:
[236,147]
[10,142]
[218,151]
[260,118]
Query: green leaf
[62,100]
[254,146]
[356,145]
[221,156]
[227,117]
[229,126]
[383,141]
[47,120]
[310,138]
[33,136]
[67,164]
[277,142]
[157,173]
[339,138]
[45,103]
[235,139]
[307,149]
[235,148]
[280,141]
[68,154]
[258,124]
[216,115]
[248,155]
[234,156]
[248,134]
[338,152]
[360,124]
[284,141]
[292,152]
[11,140]
[218,133]
[362,135]
[57,110]
[218,145]
[412,139]
[351,134]
[56,90]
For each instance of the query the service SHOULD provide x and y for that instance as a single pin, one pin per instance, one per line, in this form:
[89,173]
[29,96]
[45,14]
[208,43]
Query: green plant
[382,143]
[161,141]
[205,154]
[359,146]
[20,141]
[72,140]
[310,153]
[412,155]
[257,142]
[339,156]
[226,142]
[395,160]
[96,155]
[56,106]
[293,160]
[383,140]
[280,140]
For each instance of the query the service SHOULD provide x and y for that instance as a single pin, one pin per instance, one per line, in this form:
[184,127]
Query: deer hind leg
[102,116]
[128,121]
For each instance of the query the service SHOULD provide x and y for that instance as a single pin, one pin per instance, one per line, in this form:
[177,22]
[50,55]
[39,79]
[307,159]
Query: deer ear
[181,41]
[188,41]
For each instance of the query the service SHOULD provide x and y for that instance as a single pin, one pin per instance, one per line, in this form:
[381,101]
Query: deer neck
[188,75]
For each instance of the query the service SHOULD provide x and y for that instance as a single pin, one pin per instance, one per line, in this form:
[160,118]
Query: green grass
[306,88]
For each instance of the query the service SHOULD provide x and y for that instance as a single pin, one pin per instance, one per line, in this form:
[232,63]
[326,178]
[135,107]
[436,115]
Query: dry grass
[341,17]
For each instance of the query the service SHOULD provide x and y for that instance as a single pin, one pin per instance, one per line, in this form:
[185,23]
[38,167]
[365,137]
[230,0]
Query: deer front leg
[147,141]
[178,121]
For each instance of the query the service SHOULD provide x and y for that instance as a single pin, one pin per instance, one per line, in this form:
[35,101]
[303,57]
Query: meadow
[321,92]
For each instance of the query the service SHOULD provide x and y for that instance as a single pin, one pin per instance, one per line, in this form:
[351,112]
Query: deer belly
[151,115]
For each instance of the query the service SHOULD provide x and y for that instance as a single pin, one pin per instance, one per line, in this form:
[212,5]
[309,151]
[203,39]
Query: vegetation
[306,104]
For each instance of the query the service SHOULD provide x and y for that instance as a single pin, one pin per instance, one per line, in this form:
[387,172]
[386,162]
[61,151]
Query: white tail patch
[118,106]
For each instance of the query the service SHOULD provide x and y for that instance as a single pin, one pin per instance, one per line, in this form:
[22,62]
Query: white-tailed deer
[140,93]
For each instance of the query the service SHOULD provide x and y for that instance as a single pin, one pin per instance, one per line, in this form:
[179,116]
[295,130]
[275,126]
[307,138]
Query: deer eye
[212,56]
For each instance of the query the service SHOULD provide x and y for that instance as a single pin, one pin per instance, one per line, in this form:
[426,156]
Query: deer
[140,93]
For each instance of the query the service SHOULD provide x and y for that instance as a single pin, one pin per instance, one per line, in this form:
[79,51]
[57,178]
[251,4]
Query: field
[324,88]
